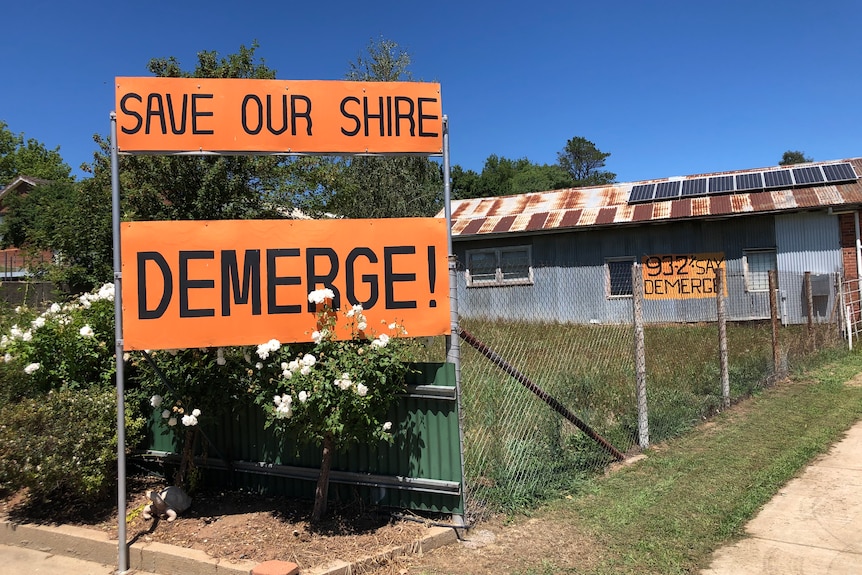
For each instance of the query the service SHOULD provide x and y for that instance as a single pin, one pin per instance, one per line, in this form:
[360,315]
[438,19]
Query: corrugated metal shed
[579,208]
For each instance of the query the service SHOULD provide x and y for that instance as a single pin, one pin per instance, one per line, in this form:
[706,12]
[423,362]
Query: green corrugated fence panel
[426,446]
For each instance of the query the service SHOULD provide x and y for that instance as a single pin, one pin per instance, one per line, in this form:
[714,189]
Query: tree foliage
[29,157]
[583,162]
[382,60]
[503,176]
[794,157]
[375,187]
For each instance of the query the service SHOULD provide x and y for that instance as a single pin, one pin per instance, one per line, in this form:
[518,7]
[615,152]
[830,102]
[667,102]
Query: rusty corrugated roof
[580,208]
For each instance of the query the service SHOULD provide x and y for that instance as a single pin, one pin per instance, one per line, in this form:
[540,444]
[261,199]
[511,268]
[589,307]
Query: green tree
[794,157]
[583,162]
[503,176]
[383,60]
[374,187]
[29,157]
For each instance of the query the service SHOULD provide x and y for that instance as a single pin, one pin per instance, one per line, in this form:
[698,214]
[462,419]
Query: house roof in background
[603,206]
[25,182]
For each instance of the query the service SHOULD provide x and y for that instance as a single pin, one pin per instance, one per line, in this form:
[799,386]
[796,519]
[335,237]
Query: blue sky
[668,88]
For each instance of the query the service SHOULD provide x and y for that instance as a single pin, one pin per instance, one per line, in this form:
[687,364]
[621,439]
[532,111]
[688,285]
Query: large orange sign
[217,283]
[682,276]
[219,115]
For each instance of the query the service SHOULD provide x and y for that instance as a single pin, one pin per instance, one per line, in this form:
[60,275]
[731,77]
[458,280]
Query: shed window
[499,266]
[618,277]
[757,265]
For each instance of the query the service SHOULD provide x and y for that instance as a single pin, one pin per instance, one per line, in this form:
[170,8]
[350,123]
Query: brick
[276,568]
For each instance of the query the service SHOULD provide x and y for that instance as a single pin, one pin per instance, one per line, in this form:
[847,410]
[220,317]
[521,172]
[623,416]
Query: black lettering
[653,266]
[304,114]
[369,115]
[352,116]
[649,287]
[390,277]
[370,279]
[422,117]
[167,285]
[186,284]
[684,286]
[314,279]
[269,113]
[196,113]
[683,263]
[230,281]
[154,108]
[182,128]
[273,281]
[125,110]
[404,115]
[245,115]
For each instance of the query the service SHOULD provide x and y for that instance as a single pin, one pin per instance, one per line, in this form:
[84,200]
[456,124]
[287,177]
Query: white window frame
[630,260]
[758,286]
[499,279]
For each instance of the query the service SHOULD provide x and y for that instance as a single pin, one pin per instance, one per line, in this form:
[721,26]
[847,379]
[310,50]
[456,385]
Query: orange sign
[220,115]
[681,276]
[218,283]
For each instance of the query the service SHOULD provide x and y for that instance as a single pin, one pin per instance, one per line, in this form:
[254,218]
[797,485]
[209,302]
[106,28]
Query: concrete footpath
[812,526]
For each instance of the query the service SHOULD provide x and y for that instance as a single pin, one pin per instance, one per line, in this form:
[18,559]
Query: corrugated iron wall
[570,277]
[420,469]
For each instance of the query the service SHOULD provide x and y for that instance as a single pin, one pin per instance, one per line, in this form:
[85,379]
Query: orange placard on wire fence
[682,276]
[247,116]
[219,283]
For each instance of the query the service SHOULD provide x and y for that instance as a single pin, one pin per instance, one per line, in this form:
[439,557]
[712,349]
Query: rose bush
[337,392]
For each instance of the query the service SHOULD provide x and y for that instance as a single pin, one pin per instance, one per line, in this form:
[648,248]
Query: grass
[519,452]
[668,513]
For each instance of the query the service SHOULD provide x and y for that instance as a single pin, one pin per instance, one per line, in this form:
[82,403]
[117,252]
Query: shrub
[67,346]
[62,446]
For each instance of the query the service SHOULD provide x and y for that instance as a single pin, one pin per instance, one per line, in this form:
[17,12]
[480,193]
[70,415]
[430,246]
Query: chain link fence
[547,401]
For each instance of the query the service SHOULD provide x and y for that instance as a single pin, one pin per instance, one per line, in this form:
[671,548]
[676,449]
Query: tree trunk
[321,492]
[187,459]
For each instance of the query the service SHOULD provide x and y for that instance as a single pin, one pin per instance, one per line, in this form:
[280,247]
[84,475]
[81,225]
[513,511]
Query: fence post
[774,314]
[809,302]
[640,355]
[722,337]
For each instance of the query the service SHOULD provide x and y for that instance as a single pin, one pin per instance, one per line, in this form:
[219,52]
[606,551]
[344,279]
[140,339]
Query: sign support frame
[452,341]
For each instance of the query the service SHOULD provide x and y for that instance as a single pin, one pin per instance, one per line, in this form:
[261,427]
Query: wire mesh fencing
[547,379]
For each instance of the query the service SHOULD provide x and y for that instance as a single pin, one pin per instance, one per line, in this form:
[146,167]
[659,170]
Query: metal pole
[640,356]
[722,337]
[773,314]
[453,342]
[122,544]
[809,305]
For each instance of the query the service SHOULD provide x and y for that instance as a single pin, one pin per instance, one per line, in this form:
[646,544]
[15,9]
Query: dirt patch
[236,525]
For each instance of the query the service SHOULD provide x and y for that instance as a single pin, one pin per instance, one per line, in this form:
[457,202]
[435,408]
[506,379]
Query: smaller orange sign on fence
[228,115]
[681,276]
[218,283]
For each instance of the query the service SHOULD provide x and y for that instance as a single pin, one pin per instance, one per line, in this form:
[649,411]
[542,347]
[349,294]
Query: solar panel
[667,190]
[810,175]
[695,187]
[777,179]
[642,193]
[720,184]
[839,173]
[749,182]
